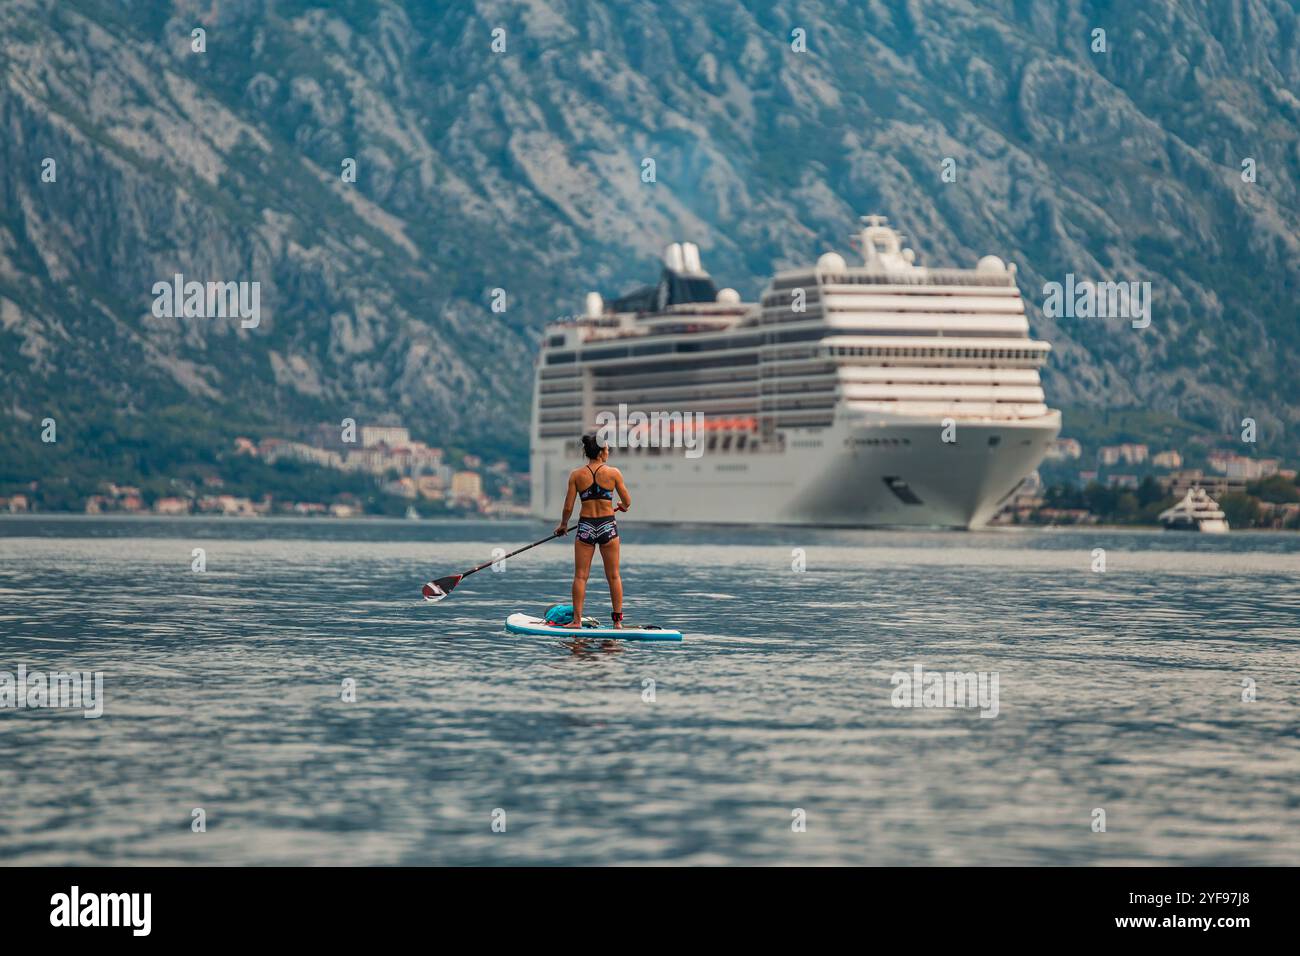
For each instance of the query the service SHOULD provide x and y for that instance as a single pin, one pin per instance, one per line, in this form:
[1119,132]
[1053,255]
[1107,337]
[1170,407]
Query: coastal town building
[1063,448]
[467,486]
[1242,466]
[394,436]
[1180,482]
[1130,454]
[430,487]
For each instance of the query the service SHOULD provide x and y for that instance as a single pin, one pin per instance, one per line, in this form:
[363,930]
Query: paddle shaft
[488,564]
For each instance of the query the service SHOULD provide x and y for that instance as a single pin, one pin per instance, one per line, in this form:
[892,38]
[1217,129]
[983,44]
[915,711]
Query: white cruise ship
[880,394]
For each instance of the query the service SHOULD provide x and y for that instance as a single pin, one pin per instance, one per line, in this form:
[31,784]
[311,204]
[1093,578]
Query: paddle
[439,589]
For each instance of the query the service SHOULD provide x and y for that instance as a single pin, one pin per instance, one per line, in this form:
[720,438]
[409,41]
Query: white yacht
[879,394]
[1196,512]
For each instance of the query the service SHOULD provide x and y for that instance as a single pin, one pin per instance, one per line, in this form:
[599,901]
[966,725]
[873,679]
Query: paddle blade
[439,589]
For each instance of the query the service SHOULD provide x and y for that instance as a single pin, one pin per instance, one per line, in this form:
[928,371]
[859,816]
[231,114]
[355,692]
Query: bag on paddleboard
[559,614]
[563,614]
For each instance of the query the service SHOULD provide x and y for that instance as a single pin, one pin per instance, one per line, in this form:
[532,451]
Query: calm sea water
[1119,691]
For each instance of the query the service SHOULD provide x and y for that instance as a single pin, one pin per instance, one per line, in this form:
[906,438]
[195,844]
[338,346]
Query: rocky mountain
[500,145]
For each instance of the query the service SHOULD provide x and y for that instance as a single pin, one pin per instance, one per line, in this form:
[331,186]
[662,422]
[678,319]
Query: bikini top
[593,492]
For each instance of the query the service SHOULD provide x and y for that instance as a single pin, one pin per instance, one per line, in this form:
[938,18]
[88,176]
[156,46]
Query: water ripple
[1121,691]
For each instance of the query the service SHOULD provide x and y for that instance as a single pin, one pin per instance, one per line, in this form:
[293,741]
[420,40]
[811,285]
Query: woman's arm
[625,499]
[571,494]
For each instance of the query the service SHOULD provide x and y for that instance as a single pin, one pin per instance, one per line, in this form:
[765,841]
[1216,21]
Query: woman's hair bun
[591,445]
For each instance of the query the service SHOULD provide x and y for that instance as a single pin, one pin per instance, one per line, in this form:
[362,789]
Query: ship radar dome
[990,264]
[728,296]
[831,262]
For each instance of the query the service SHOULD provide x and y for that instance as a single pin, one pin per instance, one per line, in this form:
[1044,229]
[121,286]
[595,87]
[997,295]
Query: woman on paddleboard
[595,485]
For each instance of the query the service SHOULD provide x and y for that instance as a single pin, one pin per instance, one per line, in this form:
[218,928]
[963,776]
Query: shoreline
[150,516]
[526,519]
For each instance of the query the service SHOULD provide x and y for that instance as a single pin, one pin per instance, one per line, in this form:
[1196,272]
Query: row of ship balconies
[860,346]
[881,384]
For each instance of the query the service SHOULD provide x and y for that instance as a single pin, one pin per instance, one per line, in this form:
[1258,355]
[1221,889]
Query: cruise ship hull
[856,473]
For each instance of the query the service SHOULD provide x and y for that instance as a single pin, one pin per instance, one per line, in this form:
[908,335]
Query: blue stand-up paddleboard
[538,627]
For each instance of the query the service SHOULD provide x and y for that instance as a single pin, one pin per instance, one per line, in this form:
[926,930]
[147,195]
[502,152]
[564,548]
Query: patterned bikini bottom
[600,530]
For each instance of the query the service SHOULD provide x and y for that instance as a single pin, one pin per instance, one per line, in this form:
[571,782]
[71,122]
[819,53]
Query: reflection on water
[1121,691]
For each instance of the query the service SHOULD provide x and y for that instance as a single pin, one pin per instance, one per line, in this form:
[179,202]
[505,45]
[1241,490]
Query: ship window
[606,354]
[655,349]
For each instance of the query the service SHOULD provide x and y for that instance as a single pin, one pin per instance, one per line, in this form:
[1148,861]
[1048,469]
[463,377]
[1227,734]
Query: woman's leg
[609,556]
[582,555]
